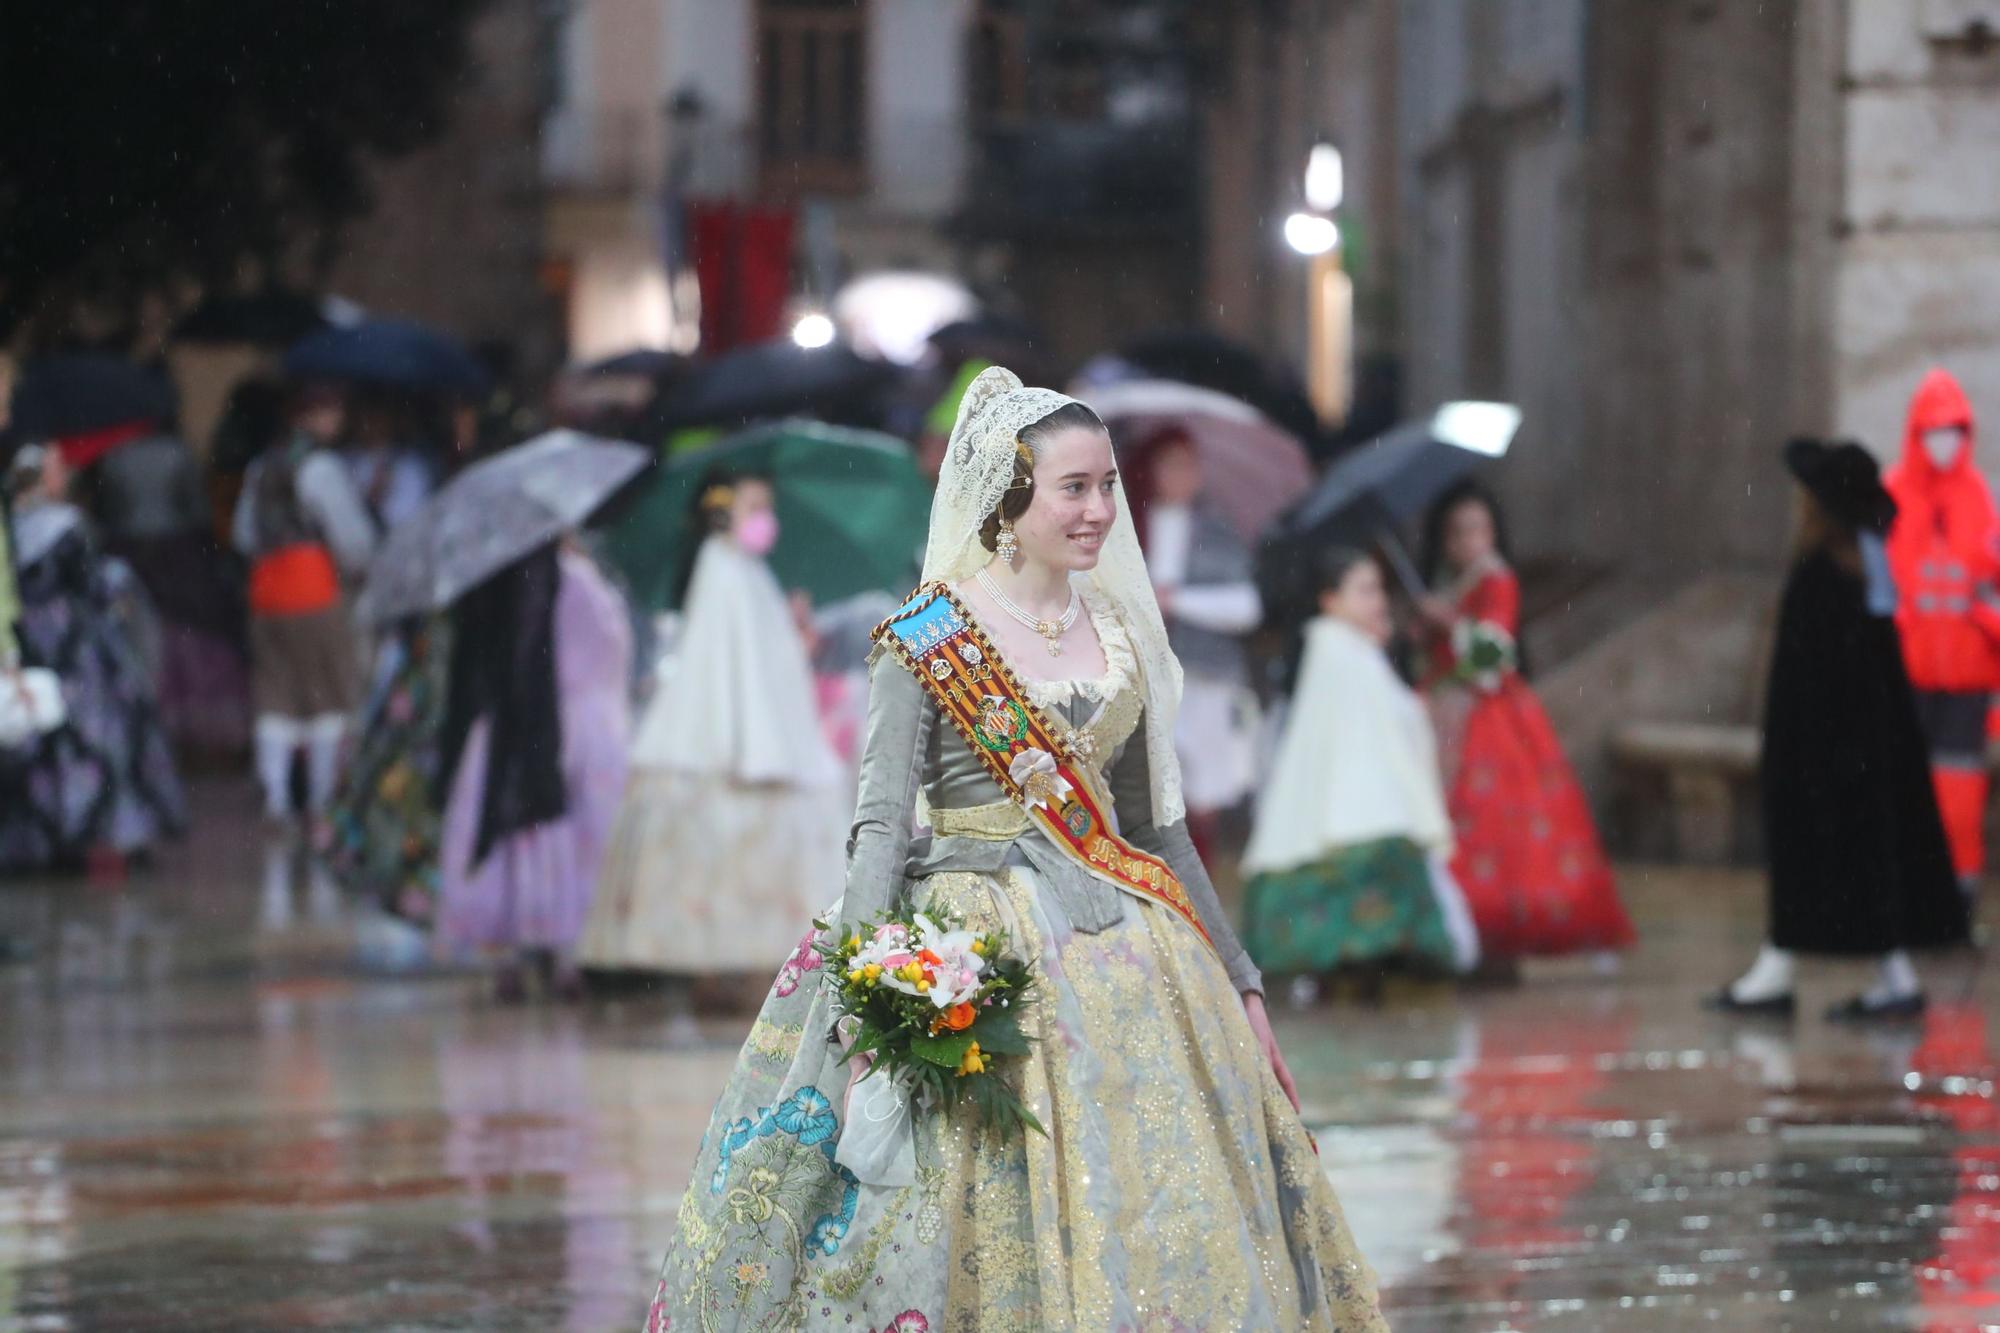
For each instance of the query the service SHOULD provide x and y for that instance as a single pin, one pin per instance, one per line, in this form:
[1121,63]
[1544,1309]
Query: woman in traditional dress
[101,787]
[730,832]
[534,759]
[1349,858]
[1176,1186]
[384,824]
[1528,856]
[1202,577]
[1859,862]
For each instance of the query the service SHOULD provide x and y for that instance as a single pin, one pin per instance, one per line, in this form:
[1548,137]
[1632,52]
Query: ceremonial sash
[937,640]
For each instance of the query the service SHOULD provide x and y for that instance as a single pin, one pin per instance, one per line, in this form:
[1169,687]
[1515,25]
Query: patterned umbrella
[1251,467]
[491,515]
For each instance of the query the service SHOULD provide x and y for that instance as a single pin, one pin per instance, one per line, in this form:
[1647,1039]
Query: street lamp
[1313,233]
[813,331]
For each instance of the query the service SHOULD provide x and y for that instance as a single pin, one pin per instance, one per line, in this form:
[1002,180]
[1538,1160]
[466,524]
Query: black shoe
[1861,1009]
[1773,1006]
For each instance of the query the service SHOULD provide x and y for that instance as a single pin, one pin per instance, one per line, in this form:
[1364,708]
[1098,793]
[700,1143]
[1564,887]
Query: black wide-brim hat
[1845,479]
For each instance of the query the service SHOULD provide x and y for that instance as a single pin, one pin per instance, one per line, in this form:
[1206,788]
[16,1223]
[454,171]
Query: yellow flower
[854,941]
[979,947]
[871,972]
[922,985]
[972,1063]
[856,975]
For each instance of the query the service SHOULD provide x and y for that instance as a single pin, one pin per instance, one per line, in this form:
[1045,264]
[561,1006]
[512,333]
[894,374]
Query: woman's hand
[1260,1023]
[857,1069]
[1437,612]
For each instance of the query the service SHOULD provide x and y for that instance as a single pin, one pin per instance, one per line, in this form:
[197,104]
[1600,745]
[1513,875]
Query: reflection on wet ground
[218,1113]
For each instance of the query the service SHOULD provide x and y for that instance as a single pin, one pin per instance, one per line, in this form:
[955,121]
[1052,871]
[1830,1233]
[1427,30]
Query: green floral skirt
[1176,1187]
[1364,903]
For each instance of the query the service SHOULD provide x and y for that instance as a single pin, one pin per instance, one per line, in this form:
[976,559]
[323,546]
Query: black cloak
[1858,859]
[503,668]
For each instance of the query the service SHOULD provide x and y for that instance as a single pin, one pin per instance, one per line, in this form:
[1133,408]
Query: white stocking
[276,738]
[323,736]
[1898,979]
[1769,977]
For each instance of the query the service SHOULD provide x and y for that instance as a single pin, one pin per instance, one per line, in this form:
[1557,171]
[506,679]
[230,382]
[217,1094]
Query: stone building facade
[454,238]
[1675,233]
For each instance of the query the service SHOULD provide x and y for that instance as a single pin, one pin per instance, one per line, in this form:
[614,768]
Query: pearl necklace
[1052,630]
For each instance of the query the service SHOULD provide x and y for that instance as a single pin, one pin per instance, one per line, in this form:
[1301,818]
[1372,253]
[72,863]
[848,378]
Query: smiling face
[1075,502]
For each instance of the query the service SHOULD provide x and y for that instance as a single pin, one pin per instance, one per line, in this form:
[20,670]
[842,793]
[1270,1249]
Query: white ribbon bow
[1035,773]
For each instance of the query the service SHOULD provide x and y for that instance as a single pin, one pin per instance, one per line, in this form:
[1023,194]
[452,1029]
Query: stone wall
[455,237]
[1919,213]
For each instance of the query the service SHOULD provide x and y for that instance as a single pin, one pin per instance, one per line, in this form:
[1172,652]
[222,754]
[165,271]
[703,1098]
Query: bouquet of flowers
[935,1006]
[1485,653]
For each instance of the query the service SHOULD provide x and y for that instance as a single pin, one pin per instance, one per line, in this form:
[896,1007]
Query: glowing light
[813,330]
[1326,180]
[1310,234]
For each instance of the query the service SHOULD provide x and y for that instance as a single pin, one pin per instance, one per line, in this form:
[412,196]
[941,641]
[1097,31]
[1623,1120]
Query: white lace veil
[978,468]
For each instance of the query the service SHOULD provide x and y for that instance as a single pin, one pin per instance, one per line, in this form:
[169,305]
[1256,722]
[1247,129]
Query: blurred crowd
[538,674]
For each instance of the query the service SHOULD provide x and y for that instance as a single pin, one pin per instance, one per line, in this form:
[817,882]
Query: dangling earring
[1005,546]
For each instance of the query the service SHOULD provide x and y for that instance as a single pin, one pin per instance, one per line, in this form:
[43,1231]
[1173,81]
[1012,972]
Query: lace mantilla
[978,469]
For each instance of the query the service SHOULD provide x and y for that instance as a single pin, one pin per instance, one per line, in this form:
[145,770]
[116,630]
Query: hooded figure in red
[1945,553]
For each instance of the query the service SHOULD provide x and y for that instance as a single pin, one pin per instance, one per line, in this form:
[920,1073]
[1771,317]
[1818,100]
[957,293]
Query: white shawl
[1358,761]
[737,699]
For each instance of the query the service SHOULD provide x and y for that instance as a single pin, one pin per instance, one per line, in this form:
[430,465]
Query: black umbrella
[77,394]
[772,379]
[1207,358]
[397,353]
[647,362]
[266,319]
[1377,487]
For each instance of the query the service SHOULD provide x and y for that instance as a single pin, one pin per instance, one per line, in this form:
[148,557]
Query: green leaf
[947,1050]
[999,1032]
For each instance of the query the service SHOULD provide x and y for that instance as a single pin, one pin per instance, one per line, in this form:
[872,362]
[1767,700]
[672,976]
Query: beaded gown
[1176,1186]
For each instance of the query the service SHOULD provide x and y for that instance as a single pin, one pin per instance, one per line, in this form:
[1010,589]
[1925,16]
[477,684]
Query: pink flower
[910,1321]
[803,960]
[657,1318]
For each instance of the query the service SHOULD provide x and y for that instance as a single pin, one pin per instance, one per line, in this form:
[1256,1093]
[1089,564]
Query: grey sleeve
[243,523]
[900,720]
[327,493]
[1132,794]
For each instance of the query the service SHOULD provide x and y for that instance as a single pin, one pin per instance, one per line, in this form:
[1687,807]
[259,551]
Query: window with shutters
[812,95]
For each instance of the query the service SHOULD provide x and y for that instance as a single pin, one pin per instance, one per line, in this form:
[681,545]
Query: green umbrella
[852,512]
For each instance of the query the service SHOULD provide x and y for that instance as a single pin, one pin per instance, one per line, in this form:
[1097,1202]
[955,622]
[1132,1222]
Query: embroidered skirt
[1373,900]
[708,876]
[1176,1187]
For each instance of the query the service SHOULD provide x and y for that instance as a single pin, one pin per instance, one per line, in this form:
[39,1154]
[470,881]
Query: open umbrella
[852,509]
[768,380]
[1215,361]
[399,353]
[492,514]
[84,393]
[1380,485]
[1251,467]
[276,318]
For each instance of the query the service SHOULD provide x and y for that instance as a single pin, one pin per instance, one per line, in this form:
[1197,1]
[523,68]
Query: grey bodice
[911,750]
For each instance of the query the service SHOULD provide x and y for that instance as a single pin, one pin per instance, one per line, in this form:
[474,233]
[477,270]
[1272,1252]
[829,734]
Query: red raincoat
[1945,551]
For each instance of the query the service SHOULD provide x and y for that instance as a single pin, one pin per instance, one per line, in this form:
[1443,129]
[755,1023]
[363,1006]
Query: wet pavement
[219,1113]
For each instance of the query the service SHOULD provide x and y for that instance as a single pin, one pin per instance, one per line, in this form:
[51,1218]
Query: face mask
[757,532]
[1943,445]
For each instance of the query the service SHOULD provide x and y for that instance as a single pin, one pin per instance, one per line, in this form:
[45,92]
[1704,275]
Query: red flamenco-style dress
[1527,856]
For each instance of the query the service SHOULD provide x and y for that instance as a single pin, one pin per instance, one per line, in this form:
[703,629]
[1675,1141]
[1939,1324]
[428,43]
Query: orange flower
[959,1017]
